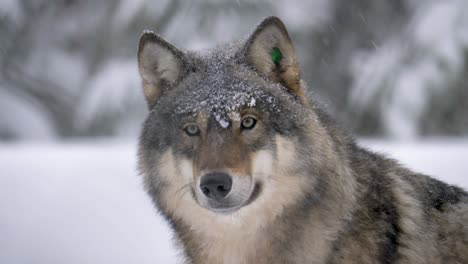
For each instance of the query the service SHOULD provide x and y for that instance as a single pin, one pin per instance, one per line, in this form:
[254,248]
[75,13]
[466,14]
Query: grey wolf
[248,168]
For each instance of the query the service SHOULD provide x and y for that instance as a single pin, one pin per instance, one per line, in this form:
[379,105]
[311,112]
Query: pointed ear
[270,51]
[160,64]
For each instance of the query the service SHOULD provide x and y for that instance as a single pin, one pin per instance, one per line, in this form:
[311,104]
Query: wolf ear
[160,64]
[270,51]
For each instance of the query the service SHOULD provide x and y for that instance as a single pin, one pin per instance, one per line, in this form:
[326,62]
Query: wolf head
[230,130]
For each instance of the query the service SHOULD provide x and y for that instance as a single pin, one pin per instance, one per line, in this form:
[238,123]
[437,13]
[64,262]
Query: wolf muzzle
[223,192]
[216,185]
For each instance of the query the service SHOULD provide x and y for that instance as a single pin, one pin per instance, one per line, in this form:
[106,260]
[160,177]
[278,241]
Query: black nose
[216,185]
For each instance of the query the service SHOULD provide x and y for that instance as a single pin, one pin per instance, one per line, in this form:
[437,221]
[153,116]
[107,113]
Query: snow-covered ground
[84,203]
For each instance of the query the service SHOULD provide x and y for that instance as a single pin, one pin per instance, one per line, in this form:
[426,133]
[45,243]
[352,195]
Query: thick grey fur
[379,211]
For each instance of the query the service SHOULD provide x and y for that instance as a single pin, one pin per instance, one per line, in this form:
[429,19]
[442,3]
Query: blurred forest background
[396,69]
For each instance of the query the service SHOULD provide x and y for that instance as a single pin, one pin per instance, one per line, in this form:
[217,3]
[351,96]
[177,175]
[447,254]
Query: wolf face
[225,124]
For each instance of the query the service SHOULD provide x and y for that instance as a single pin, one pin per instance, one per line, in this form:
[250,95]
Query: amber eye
[192,130]
[248,122]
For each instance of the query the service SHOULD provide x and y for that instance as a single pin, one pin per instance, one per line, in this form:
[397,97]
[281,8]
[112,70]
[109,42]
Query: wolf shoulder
[444,206]
[432,218]
[401,216]
[443,210]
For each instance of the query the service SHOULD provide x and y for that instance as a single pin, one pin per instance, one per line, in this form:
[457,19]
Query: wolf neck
[274,241]
[273,237]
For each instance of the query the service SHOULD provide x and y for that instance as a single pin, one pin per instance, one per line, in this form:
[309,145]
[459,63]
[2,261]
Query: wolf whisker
[180,193]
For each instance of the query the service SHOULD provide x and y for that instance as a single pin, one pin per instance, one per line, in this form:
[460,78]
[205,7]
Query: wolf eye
[248,123]
[192,130]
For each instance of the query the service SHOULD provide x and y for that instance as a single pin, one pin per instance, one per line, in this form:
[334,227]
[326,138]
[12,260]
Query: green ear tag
[276,55]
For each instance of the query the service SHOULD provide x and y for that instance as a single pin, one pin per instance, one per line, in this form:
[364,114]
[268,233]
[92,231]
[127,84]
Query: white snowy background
[394,72]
